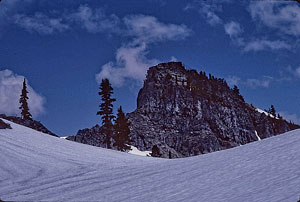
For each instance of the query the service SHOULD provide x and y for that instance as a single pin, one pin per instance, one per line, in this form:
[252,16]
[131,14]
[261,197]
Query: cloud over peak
[131,59]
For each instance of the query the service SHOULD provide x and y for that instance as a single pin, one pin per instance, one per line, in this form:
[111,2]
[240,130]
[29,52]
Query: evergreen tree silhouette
[24,104]
[106,110]
[236,90]
[122,131]
[272,110]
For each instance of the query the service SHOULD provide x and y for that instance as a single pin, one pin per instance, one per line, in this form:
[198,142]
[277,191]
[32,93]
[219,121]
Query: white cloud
[131,62]
[173,59]
[10,90]
[41,23]
[209,10]
[94,20]
[232,80]
[7,9]
[211,17]
[297,72]
[277,15]
[256,83]
[290,117]
[91,20]
[149,29]
[261,44]
[131,59]
[233,29]
[263,82]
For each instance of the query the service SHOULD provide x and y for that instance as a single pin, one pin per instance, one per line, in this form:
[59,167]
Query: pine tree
[24,104]
[272,111]
[122,131]
[106,110]
[236,90]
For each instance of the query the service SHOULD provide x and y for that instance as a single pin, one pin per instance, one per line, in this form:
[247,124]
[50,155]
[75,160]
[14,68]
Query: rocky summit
[186,113]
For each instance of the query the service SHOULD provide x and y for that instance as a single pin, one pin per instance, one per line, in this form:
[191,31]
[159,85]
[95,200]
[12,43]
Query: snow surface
[39,167]
[136,151]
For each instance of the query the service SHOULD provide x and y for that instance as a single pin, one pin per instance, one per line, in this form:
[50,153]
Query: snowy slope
[39,167]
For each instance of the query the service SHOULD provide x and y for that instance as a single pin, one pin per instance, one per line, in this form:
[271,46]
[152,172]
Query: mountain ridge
[186,113]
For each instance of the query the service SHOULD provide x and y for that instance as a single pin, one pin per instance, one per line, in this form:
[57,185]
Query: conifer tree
[24,104]
[236,90]
[272,111]
[106,110]
[121,131]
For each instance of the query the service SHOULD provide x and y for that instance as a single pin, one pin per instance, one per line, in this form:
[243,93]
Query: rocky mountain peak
[184,113]
[189,113]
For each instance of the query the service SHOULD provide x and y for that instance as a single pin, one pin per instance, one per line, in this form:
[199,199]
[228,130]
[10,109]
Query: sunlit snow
[38,167]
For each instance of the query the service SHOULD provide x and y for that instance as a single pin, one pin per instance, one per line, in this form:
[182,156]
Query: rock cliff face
[186,113]
[92,136]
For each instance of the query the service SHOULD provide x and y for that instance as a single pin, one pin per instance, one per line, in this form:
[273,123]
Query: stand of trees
[119,131]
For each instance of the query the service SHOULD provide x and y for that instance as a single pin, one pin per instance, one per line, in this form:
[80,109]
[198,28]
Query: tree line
[119,130]
[114,128]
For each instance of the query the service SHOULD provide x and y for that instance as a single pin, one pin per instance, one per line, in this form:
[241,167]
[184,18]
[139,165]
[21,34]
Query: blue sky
[65,48]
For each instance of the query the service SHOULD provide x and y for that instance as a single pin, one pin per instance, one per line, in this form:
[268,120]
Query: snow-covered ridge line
[264,112]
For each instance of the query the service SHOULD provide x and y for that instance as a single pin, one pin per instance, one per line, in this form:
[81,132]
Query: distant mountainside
[36,125]
[186,113]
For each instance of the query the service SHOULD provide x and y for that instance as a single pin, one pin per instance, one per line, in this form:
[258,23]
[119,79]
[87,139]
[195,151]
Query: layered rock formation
[186,113]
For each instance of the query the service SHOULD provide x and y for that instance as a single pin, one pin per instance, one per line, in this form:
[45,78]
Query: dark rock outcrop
[93,136]
[4,125]
[186,113]
[36,125]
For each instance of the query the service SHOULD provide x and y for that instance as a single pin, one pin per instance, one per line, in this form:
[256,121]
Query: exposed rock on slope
[93,136]
[189,114]
[4,125]
[186,113]
[36,125]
